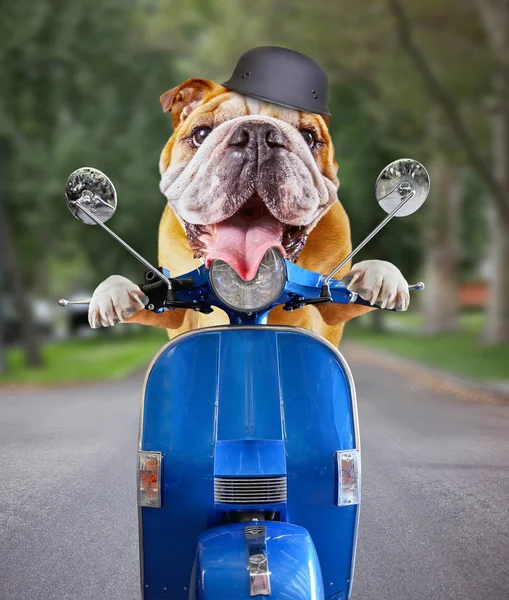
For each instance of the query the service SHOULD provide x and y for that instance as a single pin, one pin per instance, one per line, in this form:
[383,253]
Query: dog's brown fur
[198,101]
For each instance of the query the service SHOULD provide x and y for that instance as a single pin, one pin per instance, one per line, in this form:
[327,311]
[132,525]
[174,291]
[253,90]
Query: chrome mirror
[89,191]
[401,188]
[92,199]
[405,183]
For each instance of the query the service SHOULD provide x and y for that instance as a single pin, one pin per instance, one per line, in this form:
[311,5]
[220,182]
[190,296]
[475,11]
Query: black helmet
[281,76]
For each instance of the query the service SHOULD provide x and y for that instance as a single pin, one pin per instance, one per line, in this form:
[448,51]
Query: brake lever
[300,302]
[325,296]
[161,297]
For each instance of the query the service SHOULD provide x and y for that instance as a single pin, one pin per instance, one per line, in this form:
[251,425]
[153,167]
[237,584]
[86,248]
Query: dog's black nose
[256,137]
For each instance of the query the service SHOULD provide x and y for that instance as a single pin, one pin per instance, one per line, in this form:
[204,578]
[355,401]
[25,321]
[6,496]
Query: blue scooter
[249,465]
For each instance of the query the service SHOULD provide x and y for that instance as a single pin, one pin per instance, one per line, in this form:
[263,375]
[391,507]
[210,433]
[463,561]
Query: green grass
[459,353]
[99,358]
[115,356]
[472,321]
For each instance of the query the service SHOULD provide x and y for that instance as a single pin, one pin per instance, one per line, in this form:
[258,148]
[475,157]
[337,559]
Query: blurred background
[80,85]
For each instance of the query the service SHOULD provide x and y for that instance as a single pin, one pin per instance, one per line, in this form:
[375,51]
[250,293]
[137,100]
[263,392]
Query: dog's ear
[183,99]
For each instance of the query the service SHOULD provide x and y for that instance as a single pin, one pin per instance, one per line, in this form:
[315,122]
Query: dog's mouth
[243,239]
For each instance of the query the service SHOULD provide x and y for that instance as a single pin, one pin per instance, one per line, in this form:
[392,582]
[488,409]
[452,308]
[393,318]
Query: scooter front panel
[320,417]
[179,419]
[277,401]
[249,385]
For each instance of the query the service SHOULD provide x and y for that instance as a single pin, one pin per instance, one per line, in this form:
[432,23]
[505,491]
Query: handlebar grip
[150,287]
[415,287]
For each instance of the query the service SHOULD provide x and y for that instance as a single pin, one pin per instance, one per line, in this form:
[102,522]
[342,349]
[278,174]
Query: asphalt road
[434,518]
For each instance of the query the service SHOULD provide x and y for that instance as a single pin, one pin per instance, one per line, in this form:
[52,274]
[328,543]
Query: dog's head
[244,175]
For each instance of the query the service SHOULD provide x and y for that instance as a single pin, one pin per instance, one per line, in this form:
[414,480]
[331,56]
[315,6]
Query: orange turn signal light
[149,479]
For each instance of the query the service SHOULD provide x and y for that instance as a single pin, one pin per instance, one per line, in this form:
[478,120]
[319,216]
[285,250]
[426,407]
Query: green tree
[83,88]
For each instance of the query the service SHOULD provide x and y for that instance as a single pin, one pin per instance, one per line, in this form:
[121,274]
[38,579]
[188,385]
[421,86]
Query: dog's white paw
[114,300]
[380,283]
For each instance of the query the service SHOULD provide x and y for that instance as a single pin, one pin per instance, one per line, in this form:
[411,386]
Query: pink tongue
[242,243]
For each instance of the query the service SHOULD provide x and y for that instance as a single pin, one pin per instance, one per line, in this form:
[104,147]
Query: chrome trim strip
[251,327]
[354,551]
[258,564]
[140,546]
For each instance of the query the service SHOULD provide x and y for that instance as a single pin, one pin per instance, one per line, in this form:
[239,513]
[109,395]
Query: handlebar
[415,287]
[162,298]
[64,302]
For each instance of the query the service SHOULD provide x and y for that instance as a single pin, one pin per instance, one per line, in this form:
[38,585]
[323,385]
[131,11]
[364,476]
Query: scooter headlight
[254,295]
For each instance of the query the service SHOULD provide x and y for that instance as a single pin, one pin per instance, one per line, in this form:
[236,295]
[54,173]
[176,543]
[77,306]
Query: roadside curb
[421,374]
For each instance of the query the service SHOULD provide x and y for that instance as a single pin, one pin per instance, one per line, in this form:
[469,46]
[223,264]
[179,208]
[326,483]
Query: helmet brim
[272,101]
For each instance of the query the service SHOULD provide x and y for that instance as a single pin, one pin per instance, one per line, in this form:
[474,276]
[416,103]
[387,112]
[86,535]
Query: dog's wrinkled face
[244,175]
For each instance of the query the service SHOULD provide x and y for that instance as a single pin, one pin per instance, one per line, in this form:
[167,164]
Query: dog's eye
[200,134]
[309,137]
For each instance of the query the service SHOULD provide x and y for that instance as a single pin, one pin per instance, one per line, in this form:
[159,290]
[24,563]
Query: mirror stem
[143,261]
[370,236]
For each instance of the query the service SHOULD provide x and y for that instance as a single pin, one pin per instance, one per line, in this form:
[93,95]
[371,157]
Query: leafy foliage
[80,85]
[82,90]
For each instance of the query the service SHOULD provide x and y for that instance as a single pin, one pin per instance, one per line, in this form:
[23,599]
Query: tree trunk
[21,299]
[497,318]
[495,18]
[3,359]
[441,299]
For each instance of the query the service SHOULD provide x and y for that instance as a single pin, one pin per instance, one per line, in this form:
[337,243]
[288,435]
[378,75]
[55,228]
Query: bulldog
[240,176]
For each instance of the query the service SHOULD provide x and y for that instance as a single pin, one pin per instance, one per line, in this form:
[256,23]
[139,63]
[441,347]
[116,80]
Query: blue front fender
[221,564]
